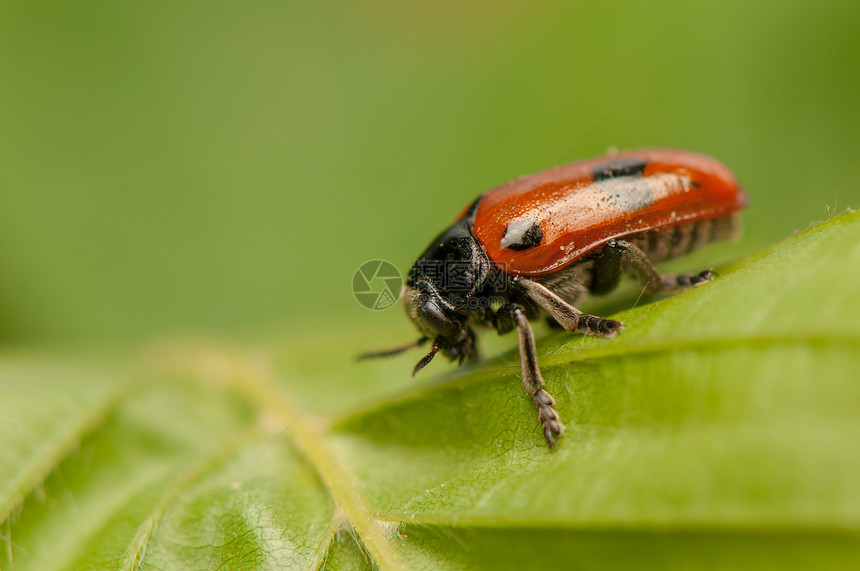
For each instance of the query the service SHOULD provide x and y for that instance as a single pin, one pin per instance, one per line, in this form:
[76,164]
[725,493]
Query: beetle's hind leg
[514,315]
[619,255]
[565,314]
[678,282]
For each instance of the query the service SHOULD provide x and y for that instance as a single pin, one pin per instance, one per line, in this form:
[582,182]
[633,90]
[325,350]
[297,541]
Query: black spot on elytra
[630,166]
[522,234]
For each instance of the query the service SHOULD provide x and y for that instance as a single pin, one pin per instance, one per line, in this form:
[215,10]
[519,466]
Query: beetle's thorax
[454,266]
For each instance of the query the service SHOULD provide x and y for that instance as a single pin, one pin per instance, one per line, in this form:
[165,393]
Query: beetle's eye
[434,317]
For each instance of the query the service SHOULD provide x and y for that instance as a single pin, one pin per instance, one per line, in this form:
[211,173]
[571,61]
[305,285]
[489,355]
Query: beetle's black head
[448,274]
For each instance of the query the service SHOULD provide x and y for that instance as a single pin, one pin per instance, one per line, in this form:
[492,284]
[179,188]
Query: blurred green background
[149,186]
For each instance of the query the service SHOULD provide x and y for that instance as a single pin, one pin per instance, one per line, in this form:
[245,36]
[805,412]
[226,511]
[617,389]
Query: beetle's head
[438,319]
[441,282]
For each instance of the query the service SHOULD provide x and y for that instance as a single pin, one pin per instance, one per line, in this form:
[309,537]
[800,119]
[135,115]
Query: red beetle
[541,243]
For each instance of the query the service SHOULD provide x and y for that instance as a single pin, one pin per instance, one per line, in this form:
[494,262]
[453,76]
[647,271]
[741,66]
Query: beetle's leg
[618,255]
[565,314]
[608,267]
[678,282]
[514,315]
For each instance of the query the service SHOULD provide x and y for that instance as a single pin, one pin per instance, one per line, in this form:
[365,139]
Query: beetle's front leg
[514,315]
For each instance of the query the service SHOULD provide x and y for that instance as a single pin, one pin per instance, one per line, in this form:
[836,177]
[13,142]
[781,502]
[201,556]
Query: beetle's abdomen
[673,241]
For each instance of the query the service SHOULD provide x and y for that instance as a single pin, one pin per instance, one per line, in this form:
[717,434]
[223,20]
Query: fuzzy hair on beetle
[540,244]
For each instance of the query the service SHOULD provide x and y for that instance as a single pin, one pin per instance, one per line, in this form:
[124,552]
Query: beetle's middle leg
[514,315]
[565,314]
[618,256]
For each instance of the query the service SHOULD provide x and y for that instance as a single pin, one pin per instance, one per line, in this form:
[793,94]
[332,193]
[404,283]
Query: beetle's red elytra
[541,243]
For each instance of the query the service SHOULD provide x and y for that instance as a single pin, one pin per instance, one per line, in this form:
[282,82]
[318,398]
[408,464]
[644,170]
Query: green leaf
[720,430]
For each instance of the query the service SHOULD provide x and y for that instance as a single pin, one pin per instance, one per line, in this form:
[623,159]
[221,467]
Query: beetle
[543,242]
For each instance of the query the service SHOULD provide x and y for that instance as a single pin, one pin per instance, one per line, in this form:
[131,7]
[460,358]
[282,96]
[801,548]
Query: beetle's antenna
[392,351]
[425,360]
